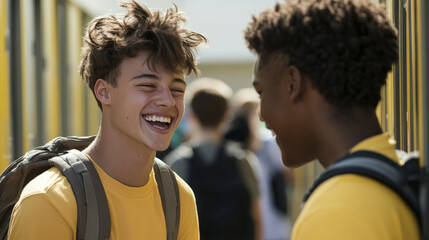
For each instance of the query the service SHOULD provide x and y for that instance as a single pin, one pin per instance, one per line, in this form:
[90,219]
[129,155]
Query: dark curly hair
[346,47]
[109,39]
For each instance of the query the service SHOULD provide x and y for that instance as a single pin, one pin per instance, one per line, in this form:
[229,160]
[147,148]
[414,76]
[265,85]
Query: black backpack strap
[170,197]
[377,167]
[93,210]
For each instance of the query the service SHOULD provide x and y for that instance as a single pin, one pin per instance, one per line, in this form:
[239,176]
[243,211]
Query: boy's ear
[101,91]
[295,83]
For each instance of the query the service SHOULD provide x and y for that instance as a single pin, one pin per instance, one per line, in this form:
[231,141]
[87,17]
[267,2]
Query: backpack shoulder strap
[377,167]
[169,192]
[245,161]
[93,210]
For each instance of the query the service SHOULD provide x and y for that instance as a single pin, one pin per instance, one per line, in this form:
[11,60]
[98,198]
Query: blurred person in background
[220,173]
[274,177]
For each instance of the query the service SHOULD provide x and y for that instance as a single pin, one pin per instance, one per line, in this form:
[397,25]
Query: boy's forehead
[157,65]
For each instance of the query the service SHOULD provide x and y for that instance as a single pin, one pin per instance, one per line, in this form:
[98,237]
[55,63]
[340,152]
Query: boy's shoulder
[47,193]
[184,189]
[51,182]
[348,190]
[353,203]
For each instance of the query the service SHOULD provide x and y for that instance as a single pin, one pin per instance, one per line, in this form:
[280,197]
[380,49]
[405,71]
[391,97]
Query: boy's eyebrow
[146,75]
[179,80]
[156,77]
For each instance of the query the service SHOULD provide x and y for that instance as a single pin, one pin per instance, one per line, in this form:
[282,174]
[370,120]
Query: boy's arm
[35,217]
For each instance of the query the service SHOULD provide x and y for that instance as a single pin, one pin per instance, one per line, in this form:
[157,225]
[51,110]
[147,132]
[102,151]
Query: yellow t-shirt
[47,209]
[356,207]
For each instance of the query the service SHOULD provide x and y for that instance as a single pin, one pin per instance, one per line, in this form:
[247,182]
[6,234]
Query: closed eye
[146,85]
[177,92]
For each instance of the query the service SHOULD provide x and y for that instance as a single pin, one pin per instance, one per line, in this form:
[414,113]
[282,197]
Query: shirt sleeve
[35,217]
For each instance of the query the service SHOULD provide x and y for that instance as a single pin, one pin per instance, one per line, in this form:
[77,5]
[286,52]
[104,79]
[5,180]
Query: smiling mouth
[159,122]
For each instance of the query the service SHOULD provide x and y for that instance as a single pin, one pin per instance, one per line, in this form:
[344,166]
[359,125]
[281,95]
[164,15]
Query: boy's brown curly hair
[109,39]
[346,47]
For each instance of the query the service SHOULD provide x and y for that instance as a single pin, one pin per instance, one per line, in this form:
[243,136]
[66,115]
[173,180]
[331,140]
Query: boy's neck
[344,131]
[214,135]
[127,163]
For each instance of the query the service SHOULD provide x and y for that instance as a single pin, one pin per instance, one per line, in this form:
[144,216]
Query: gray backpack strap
[169,192]
[245,160]
[93,210]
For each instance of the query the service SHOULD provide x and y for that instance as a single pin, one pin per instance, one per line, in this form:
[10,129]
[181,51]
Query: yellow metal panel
[390,105]
[29,119]
[382,111]
[408,79]
[402,109]
[411,77]
[50,76]
[420,90]
[94,113]
[76,96]
[414,93]
[5,154]
[389,90]
[24,67]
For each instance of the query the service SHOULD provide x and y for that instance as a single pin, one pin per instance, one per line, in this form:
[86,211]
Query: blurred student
[135,65]
[273,175]
[219,172]
[320,68]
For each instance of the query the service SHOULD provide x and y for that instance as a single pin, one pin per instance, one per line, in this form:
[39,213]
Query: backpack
[93,210]
[222,192]
[409,180]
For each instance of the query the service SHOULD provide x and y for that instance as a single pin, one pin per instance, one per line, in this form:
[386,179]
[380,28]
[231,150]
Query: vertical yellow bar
[5,147]
[390,105]
[420,89]
[28,73]
[402,111]
[414,93]
[389,98]
[50,76]
[24,66]
[408,79]
[93,113]
[94,117]
[75,85]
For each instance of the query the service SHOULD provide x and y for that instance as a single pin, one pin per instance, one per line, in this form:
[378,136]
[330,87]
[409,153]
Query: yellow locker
[5,153]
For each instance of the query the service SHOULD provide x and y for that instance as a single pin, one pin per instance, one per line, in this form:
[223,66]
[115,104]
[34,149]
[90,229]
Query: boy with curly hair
[321,65]
[135,66]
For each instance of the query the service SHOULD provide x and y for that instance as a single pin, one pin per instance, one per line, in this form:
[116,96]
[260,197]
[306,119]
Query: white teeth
[154,118]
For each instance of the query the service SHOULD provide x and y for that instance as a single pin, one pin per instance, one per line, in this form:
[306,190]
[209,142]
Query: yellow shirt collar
[383,144]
